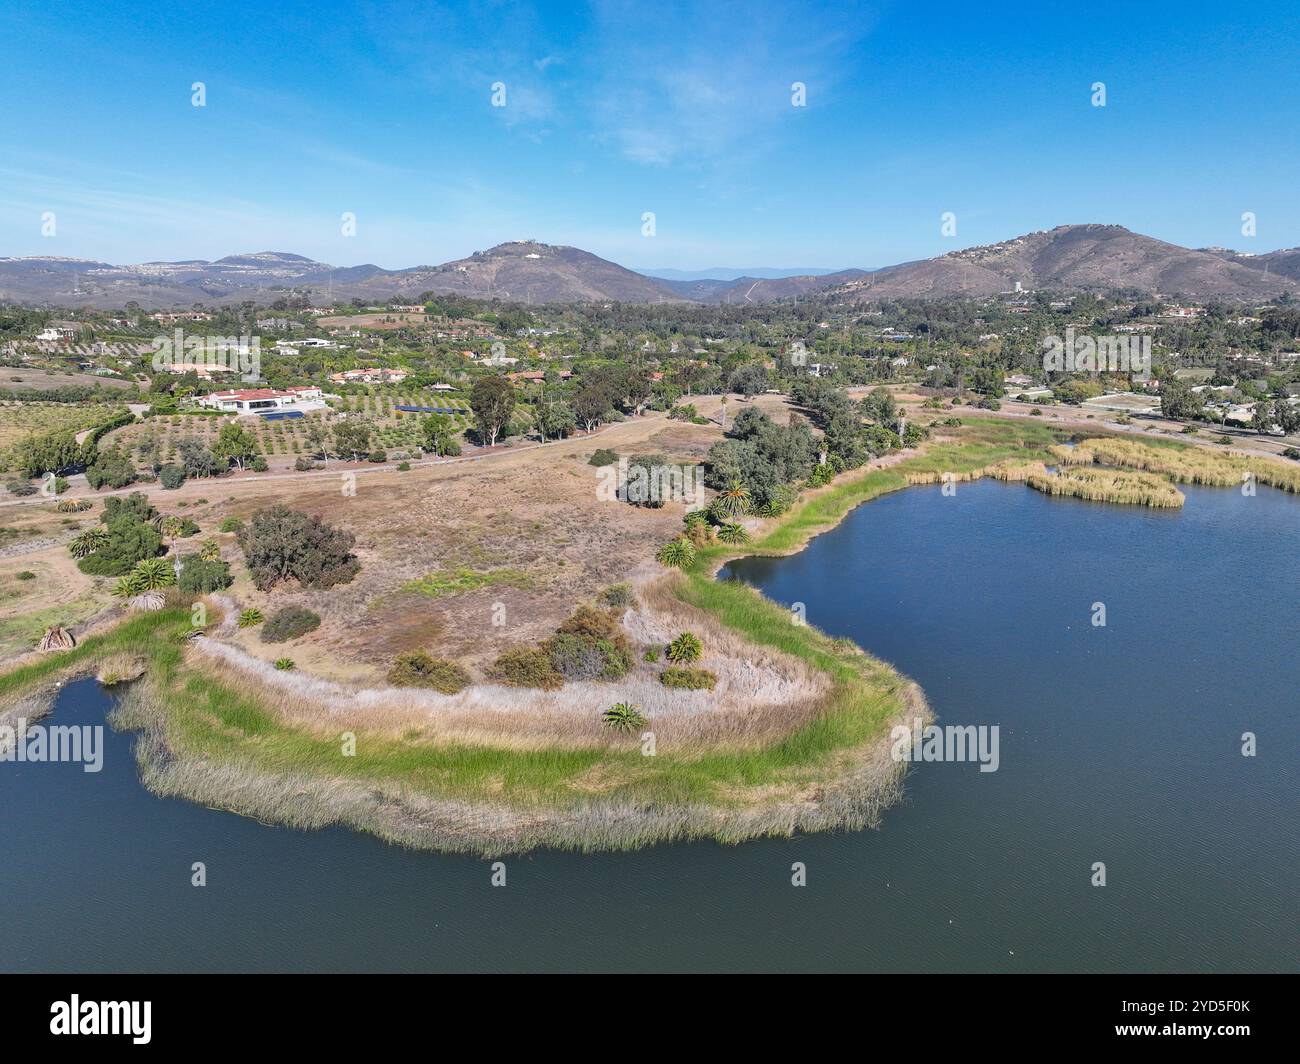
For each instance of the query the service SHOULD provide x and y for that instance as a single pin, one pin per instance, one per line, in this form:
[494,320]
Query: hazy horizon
[782,133]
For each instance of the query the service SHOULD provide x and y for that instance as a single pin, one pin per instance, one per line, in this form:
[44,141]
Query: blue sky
[612,110]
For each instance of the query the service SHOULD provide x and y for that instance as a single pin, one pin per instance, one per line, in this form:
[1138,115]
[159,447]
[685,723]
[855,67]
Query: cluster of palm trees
[718,520]
[142,586]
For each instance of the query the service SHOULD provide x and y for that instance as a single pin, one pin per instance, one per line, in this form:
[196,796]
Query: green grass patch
[456,581]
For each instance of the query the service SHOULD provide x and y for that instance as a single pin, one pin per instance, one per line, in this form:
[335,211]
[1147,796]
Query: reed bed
[1182,463]
[1017,471]
[1110,485]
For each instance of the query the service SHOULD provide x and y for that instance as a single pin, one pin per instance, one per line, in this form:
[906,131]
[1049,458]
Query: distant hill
[1067,258]
[732,273]
[760,289]
[523,271]
[528,272]
[1082,258]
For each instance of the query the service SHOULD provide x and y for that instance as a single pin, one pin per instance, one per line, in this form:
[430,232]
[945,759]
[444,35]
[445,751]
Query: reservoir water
[1119,744]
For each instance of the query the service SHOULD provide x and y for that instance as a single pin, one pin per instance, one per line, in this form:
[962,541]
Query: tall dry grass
[1109,485]
[1185,464]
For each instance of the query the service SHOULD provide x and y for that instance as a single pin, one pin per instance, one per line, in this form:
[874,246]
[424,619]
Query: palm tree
[733,500]
[128,586]
[210,551]
[88,542]
[678,553]
[153,574]
[731,532]
[686,648]
[170,526]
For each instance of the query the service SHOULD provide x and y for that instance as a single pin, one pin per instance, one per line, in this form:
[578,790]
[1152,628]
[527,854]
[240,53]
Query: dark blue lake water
[1119,744]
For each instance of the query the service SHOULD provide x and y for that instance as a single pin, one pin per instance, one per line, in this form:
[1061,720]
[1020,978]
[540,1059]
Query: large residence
[258,400]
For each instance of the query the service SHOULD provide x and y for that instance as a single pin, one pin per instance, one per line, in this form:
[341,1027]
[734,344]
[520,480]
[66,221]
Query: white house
[258,400]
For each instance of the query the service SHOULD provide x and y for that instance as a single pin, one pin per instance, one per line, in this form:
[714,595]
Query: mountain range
[1067,258]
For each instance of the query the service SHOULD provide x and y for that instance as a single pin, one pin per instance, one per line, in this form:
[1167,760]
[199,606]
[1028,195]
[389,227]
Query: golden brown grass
[1185,464]
[1109,485]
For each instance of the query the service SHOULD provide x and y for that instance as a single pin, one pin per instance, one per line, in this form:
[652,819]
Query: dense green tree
[351,438]
[283,544]
[235,444]
[111,468]
[493,401]
[554,420]
[748,380]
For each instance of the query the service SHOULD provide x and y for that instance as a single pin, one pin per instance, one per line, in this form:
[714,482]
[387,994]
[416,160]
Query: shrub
[258,465]
[282,544]
[204,575]
[285,664]
[112,468]
[418,668]
[127,540]
[617,655]
[1292,453]
[575,658]
[27,574]
[686,648]
[171,476]
[603,457]
[289,622]
[624,717]
[678,553]
[731,532]
[21,487]
[250,617]
[617,596]
[1035,412]
[230,524]
[403,467]
[378,456]
[651,655]
[914,435]
[688,679]
[589,646]
[526,667]
[589,623]
[302,464]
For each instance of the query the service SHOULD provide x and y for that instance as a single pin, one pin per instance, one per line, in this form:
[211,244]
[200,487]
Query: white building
[259,400]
